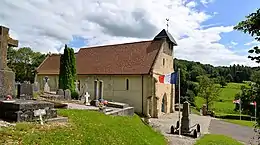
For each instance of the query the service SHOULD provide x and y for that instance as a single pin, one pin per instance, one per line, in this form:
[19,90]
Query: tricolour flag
[253,103]
[168,78]
[236,101]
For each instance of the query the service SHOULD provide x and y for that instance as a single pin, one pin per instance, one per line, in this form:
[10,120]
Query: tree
[23,62]
[251,26]
[229,78]
[67,75]
[222,82]
[208,90]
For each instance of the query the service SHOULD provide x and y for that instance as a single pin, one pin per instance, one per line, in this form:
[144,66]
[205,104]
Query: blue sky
[230,12]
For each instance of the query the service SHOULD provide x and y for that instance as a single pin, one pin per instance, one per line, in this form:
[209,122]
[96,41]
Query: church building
[129,73]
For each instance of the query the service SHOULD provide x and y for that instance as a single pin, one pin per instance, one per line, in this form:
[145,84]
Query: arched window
[127,84]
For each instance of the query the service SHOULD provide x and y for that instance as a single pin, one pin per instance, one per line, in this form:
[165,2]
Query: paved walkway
[164,123]
[238,132]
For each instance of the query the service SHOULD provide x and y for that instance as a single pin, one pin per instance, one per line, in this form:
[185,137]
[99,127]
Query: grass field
[241,122]
[85,127]
[213,139]
[224,104]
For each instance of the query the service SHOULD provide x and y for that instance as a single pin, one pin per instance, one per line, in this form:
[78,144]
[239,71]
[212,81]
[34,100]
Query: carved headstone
[185,120]
[204,110]
[67,94]
[36,87]
[27,90]
[7,76]
[46,85]
[60,93]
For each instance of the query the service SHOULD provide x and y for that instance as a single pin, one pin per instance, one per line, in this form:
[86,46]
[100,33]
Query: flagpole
[255,111]
[240,108]
[179,86]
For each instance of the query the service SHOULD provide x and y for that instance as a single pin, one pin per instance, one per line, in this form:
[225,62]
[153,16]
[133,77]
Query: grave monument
[17,109]
[7,76]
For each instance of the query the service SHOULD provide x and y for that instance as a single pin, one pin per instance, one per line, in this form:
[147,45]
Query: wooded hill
[190,71]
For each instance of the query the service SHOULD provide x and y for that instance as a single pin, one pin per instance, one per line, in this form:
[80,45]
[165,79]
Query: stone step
[117,105]
[59,119]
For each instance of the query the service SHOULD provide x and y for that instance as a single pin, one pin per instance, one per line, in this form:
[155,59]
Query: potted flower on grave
[101,107]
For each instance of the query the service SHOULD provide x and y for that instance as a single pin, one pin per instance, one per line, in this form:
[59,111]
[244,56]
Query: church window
[127,84]
[163,61]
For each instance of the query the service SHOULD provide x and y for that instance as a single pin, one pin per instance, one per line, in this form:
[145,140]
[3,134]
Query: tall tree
[208,90]
[251,26]
[67,75]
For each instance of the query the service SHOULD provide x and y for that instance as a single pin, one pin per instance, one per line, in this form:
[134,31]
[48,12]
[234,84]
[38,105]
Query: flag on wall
[236,101]
[169,78]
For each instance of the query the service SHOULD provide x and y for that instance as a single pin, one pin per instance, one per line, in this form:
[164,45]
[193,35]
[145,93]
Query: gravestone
[76,86]
[204,110]
[46,85]
[36,87]
[67,94]
[82,92]
[26,91]
[60,93]
[7,76]
[185,120]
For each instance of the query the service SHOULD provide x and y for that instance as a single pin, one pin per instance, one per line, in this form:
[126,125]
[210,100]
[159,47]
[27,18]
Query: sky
[203,29]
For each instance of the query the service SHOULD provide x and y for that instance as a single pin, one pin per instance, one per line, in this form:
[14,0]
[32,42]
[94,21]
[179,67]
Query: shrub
[75,95]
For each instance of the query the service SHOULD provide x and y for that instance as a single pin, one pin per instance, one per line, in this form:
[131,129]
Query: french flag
[253,103]
[168,78]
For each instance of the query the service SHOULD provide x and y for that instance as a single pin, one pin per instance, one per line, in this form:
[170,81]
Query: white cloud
[254,42]
[233,43]
[191,4]
[46,25]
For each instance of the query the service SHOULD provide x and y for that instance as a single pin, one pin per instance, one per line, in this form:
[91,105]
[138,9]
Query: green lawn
[241,122]
[85,127]
[224,104]
[213,139]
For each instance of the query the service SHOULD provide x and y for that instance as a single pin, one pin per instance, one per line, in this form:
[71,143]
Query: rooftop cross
[167,23]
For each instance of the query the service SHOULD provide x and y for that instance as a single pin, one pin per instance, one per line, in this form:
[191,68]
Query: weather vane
[167,23]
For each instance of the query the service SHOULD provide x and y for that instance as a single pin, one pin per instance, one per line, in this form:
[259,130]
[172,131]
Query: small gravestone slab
[40,113]
[67,94]
[60,93]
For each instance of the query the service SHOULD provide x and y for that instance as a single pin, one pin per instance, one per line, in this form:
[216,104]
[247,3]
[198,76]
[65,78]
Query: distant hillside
[190,70]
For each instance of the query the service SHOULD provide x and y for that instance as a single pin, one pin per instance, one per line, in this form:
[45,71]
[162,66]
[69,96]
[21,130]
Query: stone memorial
[46,85]
[87,98]
[17,109]
[7,76]
[185,120]
[26,91]
[36,87]
[23,110]
[67,94]
[204,110]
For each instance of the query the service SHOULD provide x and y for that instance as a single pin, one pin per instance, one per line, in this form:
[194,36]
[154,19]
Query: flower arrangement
[101,106]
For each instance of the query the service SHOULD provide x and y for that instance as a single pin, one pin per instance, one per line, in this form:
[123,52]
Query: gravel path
[164,123]
[238,132]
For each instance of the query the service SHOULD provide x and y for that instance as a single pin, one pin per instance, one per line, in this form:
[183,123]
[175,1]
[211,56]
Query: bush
[75,95]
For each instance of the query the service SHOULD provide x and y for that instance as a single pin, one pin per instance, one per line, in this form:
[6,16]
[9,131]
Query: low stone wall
[129,111]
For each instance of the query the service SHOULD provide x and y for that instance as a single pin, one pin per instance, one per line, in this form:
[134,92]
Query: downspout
[142,94]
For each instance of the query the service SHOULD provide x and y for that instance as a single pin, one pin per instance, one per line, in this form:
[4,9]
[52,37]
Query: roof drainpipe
[142,94]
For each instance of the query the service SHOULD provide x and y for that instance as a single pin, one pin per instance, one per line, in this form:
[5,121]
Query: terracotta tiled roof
[128,58]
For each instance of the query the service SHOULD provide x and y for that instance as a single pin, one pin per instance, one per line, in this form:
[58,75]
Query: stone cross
[7,76]
[5,42]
